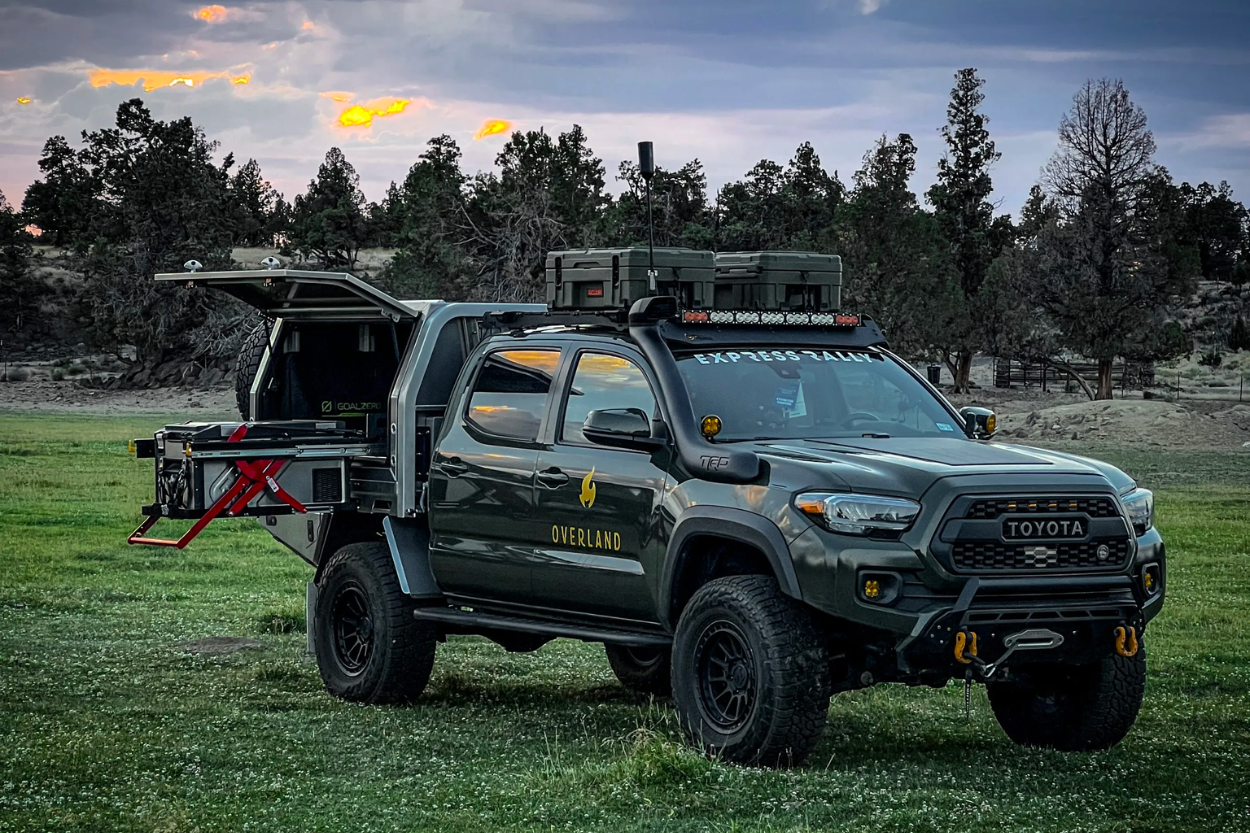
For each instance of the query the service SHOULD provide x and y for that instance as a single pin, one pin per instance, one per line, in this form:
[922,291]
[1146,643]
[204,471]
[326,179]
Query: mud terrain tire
[750,674]
[1082,708]
[246,365]
[642,670]
[369,647]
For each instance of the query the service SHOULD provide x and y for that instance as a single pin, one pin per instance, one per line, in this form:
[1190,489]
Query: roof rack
[613,319]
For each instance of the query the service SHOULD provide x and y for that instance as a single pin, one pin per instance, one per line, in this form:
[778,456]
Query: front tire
[750,675]
[642,670]
[1081,708]
[369,647]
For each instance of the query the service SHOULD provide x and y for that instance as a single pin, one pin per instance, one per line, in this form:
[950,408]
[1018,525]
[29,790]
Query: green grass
[106,723]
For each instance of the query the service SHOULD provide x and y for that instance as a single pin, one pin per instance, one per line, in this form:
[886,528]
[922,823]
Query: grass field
[108,723]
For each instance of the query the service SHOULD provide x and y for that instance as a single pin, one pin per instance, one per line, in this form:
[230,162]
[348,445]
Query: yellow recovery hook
[1125,641]
[965,640]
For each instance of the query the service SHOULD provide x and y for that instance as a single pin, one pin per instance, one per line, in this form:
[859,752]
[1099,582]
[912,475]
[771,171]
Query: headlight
[859,514]
[1139,506]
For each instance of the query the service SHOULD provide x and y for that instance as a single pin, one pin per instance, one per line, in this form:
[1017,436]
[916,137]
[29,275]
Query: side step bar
[471,622]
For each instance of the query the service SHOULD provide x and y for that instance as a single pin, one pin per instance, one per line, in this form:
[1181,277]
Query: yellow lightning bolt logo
[588,489]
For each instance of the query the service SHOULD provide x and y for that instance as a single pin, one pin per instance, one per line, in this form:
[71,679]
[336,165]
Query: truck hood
[908,466]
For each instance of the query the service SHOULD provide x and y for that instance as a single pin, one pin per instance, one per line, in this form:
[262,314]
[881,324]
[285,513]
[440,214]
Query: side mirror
[979,423]
[621,428]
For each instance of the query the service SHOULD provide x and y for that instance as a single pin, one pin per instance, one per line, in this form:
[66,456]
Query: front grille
[1095,507]
[973,539]
[1076,555]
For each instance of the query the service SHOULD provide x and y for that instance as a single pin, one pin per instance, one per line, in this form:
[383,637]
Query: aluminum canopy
[297,294]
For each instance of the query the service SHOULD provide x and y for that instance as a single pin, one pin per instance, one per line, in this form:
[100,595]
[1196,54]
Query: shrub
[1211,358]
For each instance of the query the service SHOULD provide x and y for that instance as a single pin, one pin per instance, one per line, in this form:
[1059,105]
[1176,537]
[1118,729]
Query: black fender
[734,524]
[409,543]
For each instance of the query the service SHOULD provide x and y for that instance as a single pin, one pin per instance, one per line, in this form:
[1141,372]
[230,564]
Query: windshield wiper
[875,436]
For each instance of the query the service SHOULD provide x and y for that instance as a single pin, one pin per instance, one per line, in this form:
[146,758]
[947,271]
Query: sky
[727,82]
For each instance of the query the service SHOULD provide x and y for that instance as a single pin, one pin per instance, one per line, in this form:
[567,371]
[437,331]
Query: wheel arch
[344,528]
[696,554]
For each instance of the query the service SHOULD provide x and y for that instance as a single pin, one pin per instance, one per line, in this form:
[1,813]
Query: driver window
[868,394]
[603,381]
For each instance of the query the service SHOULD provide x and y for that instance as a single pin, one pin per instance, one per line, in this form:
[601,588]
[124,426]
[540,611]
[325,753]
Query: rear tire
[246,366]
[750,674]
[369,647]
[642,670]
[1082,708]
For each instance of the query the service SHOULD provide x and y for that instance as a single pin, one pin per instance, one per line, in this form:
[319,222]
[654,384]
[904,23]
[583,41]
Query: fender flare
[735,524]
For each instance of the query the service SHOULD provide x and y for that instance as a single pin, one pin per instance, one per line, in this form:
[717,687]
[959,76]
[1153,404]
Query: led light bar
[770,318]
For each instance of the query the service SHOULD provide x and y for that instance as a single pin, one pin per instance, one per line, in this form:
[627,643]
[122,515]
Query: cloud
[728,81]
[1230,130]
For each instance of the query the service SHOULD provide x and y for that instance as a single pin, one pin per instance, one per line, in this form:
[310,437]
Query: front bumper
[932,604]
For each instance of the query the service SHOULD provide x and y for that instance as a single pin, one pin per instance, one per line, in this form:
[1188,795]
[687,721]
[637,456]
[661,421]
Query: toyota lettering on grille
[1044,528]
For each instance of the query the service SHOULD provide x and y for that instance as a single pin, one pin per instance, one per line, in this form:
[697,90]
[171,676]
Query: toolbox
[778,281]
[204,470]
[615,278]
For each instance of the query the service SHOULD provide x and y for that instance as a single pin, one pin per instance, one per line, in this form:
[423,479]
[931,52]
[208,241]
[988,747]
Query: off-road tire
[1081,708]
[642,670]
[781,719]
[246,365]
[395,665]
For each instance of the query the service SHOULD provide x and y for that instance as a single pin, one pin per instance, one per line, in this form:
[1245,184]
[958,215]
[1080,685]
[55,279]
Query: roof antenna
[646,166]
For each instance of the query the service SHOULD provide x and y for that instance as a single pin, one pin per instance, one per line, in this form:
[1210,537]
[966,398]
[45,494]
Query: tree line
[1095,265]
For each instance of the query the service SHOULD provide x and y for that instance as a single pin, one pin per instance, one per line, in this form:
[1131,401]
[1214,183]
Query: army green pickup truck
[752,510]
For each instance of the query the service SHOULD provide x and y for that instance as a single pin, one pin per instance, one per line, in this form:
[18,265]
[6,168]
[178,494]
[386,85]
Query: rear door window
[510,393]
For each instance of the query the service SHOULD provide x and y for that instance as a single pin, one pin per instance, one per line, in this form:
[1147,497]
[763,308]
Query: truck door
[600,505]
[482,516]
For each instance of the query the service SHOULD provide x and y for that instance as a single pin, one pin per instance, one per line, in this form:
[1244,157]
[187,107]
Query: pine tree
[1239,335]
[902,271]
[1108,281]
[964,213]
[429,210]
[253,201]
[329,223]
[146,196]
[18,287]
[63,204]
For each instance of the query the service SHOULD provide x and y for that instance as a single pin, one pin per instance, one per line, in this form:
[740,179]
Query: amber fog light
[879,588]
[1151,581]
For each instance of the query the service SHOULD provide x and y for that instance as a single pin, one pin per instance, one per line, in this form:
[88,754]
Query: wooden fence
[1010,373]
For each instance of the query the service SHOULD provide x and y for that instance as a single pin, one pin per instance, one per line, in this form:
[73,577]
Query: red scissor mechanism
[255,477]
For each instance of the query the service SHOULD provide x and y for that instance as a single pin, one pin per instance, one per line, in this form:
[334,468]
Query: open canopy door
[300,295]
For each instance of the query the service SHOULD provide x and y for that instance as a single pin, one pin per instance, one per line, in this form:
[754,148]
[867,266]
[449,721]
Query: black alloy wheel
[727,676]
[353,628]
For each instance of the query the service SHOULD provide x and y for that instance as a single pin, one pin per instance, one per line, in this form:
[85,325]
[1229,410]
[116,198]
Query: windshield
[797,394]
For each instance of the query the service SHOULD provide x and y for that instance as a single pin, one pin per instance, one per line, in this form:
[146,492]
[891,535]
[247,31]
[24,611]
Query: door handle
[453,467]
[553,478]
